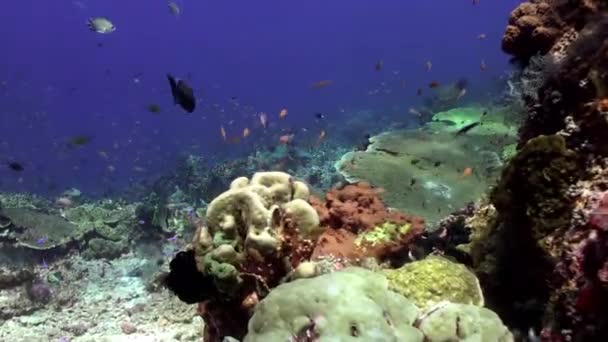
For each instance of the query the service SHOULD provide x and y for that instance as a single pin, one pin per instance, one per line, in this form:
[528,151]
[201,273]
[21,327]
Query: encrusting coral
[433,280]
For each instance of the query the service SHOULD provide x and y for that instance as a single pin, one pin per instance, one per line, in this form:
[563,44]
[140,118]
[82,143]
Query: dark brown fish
[17,167]
[467,128]
[183,94]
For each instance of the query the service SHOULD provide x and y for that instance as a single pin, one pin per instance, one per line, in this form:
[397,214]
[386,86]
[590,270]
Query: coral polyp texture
[351,305]
[433,280]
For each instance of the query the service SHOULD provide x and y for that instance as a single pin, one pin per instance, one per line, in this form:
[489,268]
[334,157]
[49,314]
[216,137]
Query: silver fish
[174,8]
[101,25]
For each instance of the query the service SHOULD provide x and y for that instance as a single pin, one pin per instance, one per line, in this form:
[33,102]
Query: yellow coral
[386,232]
[435,279]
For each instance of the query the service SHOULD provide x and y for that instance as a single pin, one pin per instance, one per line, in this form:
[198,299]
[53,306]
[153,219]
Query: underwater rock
[433,280]
[351,304]
[105,249]
[462,322]
[10,278]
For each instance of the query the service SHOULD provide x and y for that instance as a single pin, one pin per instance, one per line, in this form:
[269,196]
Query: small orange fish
[246,132]
[481,36]
[321,136]
[434,85]
[285,139]
[283,113]
[321,84]
[223,132]
[482,65]
[466,173]
[429,65]
[263,119]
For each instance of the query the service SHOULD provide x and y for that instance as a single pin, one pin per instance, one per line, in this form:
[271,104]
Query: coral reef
[433,280]
[256,233]
[550,198]
[263,232]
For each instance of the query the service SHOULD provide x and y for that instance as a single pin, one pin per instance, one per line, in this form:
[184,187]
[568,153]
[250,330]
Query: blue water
[58,79]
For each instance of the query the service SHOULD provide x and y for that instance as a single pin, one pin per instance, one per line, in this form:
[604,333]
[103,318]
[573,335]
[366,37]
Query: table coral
[34,229]
[422,171]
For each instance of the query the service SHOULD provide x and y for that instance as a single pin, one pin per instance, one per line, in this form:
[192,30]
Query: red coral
[356,208]
[353,210]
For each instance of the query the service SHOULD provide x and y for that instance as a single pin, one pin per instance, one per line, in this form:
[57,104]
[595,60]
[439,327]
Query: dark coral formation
[536,26]
[533,28]
[543,258]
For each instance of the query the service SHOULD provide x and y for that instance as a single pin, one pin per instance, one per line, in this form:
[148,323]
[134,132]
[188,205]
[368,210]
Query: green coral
[462,322]
[351,305]
[383,233]
[435,279]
